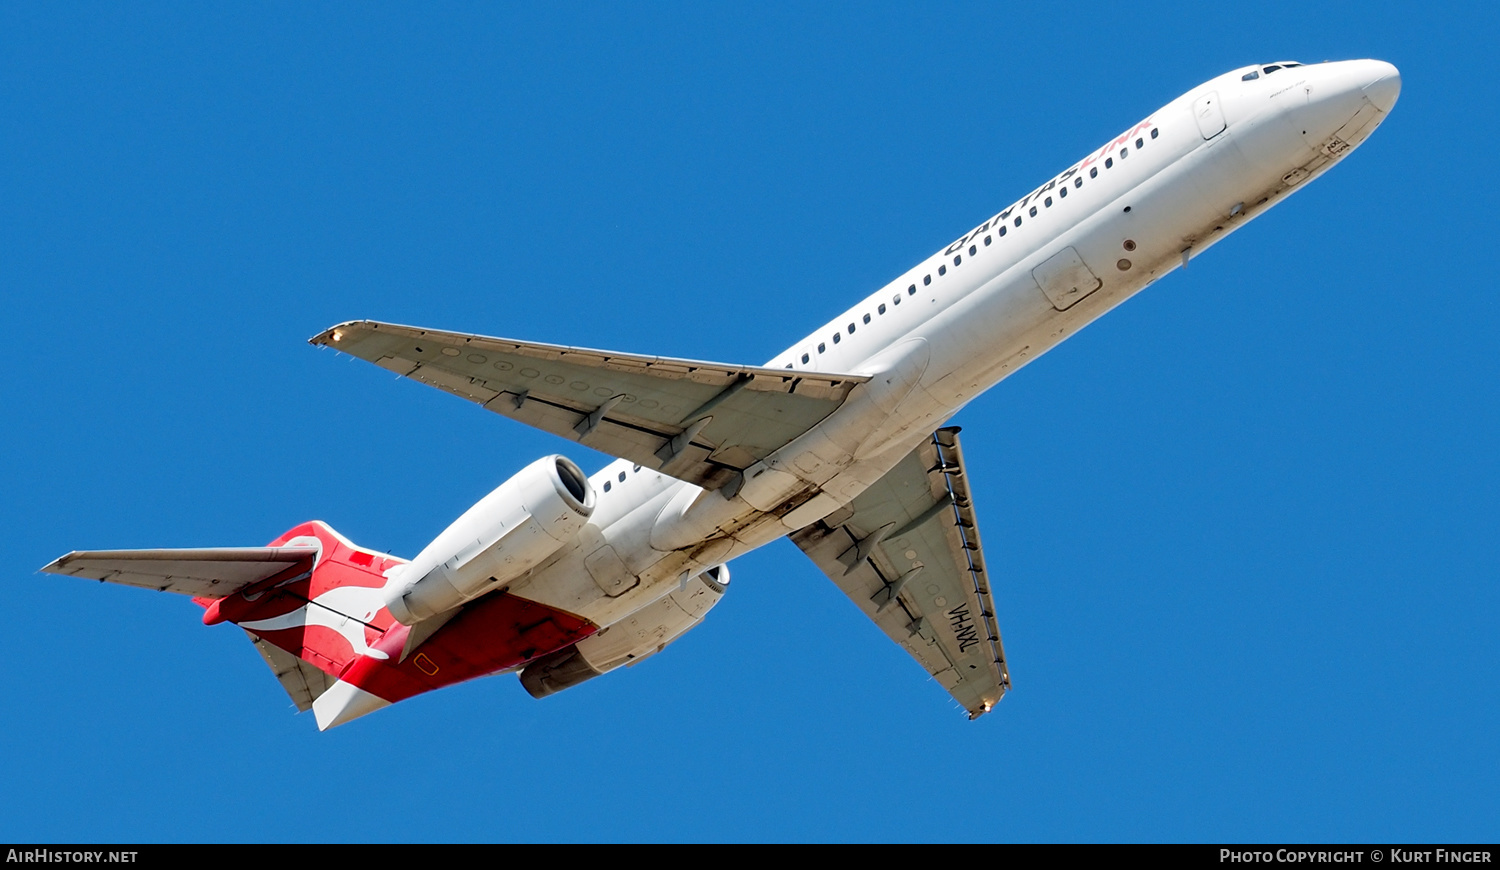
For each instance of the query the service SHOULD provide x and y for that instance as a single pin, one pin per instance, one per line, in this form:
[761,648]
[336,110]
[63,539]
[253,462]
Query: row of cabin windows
[609,485]
[1062,193]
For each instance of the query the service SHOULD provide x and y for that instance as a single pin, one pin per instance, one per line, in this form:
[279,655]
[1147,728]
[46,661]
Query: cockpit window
[1270,68]
[1250,76]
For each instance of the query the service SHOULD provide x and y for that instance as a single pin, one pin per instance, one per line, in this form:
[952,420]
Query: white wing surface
[907,553]
[701,422]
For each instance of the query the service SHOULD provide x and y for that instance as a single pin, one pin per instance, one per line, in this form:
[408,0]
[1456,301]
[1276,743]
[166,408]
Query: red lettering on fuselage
[1068,173]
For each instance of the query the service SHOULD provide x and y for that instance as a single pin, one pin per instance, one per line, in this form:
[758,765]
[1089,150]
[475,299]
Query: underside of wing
[907,553]
[700,422]
[202,573]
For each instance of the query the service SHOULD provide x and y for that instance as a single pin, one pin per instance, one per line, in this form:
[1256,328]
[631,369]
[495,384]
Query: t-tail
[316,619]
[310,600]
[318,608]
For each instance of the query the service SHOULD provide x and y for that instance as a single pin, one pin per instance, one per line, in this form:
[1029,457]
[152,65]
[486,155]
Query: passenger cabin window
[881,309]
[926,279]
[912,290]
[1154,131]
[821,347]
[973,249]
[1003,229]
[1139,143]
[1094,172]
[851,329]
[1048,202]
[1018,221]
[1124,152]
[1033,211]
[1062,191]
[1109,162]
[867,317]
[622,477]
[838,337]
[1078,182]
[987,238]
[806,357]
[942,270]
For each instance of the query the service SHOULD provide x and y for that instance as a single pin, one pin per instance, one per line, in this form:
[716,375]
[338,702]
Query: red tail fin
[327,610]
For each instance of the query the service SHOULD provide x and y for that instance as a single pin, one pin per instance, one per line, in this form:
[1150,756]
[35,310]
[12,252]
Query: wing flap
[201,573]
[907,553]
[701,422]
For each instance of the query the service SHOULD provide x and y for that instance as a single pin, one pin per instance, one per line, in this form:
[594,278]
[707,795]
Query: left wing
[696,421]
[907,553]
[202,573]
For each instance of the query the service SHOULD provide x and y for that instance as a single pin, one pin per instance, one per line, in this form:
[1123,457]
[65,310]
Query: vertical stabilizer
[327,614]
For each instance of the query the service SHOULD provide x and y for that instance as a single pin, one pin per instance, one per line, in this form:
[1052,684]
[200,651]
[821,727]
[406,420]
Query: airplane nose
[1385,87]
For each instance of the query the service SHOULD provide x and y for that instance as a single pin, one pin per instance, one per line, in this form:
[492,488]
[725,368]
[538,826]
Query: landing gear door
[1065,279]
[1210,116]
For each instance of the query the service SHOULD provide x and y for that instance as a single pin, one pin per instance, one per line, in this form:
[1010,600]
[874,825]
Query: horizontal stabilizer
[202,573]
[304,682]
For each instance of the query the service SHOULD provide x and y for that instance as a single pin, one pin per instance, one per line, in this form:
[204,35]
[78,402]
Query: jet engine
[509,532]
[636,637]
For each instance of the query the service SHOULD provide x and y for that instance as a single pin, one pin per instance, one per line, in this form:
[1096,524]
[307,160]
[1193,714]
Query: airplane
[841,442]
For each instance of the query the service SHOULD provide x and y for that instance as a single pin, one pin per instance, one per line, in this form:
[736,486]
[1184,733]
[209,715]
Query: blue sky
[1245,524]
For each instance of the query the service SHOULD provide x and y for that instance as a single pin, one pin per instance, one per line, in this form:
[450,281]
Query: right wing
[700,422]
[907,553]
[205,573]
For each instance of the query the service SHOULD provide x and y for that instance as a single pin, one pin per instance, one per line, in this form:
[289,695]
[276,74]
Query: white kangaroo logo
[344,609]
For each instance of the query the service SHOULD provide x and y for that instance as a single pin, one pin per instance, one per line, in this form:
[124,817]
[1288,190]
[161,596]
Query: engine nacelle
[636,637]
[509,532]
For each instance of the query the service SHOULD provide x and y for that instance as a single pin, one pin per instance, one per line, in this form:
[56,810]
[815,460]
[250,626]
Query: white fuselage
[970,315]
